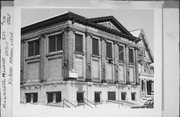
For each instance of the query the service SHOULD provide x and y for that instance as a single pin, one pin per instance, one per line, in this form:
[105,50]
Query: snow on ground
[36,110]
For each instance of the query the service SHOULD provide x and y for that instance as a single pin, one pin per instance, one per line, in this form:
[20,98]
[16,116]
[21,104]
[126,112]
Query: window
[109,50]
[31,97]
[121,53]
[53,97]
[111,95]
[78,43]
[133,96]
[123,95]
[131,56]
[33,48]
[55,43]
[95,47]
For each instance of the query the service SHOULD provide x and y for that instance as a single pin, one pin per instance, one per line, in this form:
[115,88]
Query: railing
[65,100]
[86,101]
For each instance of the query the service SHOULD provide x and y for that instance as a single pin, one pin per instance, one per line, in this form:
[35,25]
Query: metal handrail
[90,102]
[87,104]
[68,102]
[66,105]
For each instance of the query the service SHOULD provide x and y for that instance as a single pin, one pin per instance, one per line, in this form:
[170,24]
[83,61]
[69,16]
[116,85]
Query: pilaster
[103,59]
[88,56]
[116,58]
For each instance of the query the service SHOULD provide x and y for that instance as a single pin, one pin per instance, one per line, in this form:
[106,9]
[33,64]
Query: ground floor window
[133,96]
[31,97]
[111,95]
[97,96]
[54,97]
[123,95]
[80,97]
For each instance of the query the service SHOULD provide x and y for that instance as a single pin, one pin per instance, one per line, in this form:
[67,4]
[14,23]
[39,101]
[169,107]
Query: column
[25,67]
[127,63]
[88,56]
[136,68]
[43,61]
[68,48]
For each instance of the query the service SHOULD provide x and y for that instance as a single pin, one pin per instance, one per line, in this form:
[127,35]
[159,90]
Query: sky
[131,19]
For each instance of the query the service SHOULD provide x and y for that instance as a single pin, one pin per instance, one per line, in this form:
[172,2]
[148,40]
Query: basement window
[31,97]
[111,95]
[53,97]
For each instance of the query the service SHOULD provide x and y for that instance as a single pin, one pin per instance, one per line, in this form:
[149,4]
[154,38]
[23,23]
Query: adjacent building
[72,59]
[145,65]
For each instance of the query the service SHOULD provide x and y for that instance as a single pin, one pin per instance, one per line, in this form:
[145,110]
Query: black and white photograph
[91,58]
[87,58]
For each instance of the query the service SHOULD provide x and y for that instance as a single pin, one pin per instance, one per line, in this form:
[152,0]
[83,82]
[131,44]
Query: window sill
[54,53]
[33,57]
[81,53]
[95,56]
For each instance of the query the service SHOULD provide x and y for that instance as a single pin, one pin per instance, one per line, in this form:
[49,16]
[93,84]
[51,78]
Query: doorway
[97,97]
[80,97]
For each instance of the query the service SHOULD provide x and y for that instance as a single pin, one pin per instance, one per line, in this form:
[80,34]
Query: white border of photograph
[18,111]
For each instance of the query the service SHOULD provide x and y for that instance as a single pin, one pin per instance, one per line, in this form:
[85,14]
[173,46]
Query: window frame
[55,34]
[34,48]
[111,49]
[95,38]
[131,48]
[123,53]
[83,42]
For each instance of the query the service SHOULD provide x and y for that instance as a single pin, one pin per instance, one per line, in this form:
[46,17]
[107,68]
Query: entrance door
[97,96]
[80,97]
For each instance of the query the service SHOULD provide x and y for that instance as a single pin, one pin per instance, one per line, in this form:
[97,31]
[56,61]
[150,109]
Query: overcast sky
[131,19]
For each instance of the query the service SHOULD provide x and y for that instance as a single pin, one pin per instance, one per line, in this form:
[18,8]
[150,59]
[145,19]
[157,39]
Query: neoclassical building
[72,59]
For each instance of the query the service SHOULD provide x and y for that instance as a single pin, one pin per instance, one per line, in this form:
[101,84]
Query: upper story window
[78,42]
[109,50]
[33,48]
[55,43]
[131,55]
[95,46]
[121,53]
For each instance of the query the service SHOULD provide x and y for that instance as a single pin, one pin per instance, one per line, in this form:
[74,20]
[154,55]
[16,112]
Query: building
[70,59]
[145,65]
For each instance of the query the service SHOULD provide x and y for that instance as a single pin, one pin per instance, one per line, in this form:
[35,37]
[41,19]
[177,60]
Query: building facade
[76,59]
[145,65]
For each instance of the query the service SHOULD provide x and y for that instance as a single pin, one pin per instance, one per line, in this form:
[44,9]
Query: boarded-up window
[78,43]
[109,50]
[109,71]
[79,67]
[131,56]
[55,68]
[33,48]
[131,74]
[121,73]
[55,43]
[95,46]
[33,71]
[95,69]
[121,53]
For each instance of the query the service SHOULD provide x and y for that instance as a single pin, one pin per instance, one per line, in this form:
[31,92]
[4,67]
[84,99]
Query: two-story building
[76,59]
